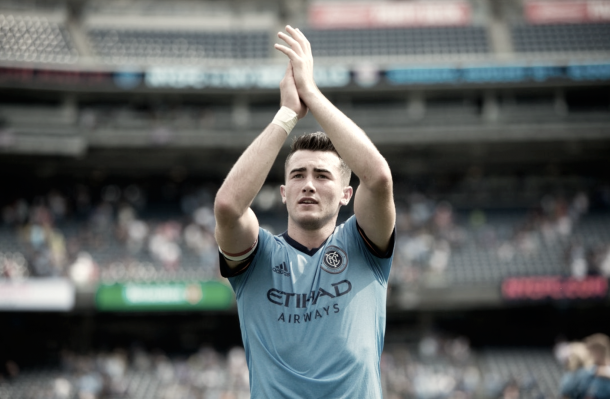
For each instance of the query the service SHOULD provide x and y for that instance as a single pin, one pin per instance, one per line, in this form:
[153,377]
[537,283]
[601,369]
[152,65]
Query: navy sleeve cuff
[227,271]
[373,248]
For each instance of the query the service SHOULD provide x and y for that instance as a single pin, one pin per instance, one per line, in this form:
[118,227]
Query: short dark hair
[317,141]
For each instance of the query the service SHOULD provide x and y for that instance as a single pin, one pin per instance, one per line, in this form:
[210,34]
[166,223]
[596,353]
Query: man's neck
[310,238]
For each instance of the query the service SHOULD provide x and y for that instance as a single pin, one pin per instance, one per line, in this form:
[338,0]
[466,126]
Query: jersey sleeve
[238,278]
[380,262]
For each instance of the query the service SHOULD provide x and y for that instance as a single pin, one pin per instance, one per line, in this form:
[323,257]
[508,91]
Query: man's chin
[310,222]
[307,223]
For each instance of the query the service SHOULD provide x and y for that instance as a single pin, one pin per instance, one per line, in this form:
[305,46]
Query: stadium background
[119,119]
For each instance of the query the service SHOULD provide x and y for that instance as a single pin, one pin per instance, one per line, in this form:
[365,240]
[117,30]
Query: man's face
[314,189]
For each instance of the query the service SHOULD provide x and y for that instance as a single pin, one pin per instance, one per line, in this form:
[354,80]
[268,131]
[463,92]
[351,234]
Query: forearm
[247,176]
[352,143]
[236,224]
[374,202]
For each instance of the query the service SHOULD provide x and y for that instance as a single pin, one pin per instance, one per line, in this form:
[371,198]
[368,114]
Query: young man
[311,301]
[591,381]
[599,348]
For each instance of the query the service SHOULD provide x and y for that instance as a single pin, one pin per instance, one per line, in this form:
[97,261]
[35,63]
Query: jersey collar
[300,247]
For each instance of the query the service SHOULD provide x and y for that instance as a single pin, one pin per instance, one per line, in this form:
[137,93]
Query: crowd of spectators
[430,231]
[136,373]
[118,233]
[108,237]
[426,234]
[433,367]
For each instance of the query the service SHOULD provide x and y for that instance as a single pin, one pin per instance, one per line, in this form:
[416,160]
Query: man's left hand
[301,58]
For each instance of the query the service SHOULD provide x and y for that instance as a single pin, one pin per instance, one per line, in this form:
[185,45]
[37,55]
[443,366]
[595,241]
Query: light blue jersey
[313,322]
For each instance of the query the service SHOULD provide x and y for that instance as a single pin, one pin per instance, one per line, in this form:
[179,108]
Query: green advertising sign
[208,295]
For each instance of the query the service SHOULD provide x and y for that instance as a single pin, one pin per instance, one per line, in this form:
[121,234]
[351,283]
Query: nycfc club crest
[334,260]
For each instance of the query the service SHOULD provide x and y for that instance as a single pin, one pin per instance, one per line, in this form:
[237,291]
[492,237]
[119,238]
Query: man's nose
[309,186]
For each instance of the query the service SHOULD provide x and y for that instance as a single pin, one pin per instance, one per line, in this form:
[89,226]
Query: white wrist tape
[240,256]
[286,118]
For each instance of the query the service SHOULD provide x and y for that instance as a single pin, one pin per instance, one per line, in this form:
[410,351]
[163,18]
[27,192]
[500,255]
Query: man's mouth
[308,201]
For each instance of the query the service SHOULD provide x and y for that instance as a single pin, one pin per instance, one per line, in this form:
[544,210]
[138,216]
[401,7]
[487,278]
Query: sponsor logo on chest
[333,261]
[299,301]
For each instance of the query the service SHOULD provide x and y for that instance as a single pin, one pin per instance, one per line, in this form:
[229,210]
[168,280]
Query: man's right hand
[298,51]
[289,95]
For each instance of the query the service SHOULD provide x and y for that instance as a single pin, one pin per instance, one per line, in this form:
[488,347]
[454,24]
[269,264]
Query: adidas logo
[282,269]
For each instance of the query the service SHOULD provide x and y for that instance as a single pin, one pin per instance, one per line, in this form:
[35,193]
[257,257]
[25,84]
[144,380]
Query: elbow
[384,184]
[381,180]
[225,209]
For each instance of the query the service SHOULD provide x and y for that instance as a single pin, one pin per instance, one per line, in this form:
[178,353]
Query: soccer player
[312,300]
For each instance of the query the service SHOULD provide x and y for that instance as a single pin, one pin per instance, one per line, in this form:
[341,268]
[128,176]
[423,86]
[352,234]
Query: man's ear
[283,193]
[348,191]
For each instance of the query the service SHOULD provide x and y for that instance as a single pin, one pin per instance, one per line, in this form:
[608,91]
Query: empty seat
[397,42]
[35,39]
[561,37]
[121,45]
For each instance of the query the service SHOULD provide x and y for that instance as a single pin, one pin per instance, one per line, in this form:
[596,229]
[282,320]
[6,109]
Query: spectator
[57,205]
[511,390]
[137,232]
[202,243]
[604,263]
[580,204]
[62,388]
[84,270]
[164,246]
[577,261]
[599,348]
[577,364]
[13,266]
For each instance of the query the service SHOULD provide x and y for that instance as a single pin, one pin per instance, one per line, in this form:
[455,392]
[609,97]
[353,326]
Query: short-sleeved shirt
[313,321]
[599,388]
[574,384]
[585,384]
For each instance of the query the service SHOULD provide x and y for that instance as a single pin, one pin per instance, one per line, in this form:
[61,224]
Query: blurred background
[120,118]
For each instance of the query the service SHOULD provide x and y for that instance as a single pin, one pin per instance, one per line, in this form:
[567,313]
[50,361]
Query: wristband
[286,118]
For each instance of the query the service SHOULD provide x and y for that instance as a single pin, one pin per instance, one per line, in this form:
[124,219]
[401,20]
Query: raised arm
[236,224]
[374,201]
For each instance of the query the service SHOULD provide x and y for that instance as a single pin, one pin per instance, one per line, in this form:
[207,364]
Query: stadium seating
[370,115]
[150,375]
[35,39]
[184,47]
[406,372]
[42,39]
[472,263]
[488,166]
[487,255]
[535,371]
[561,37]
[397,42]
[40,118]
